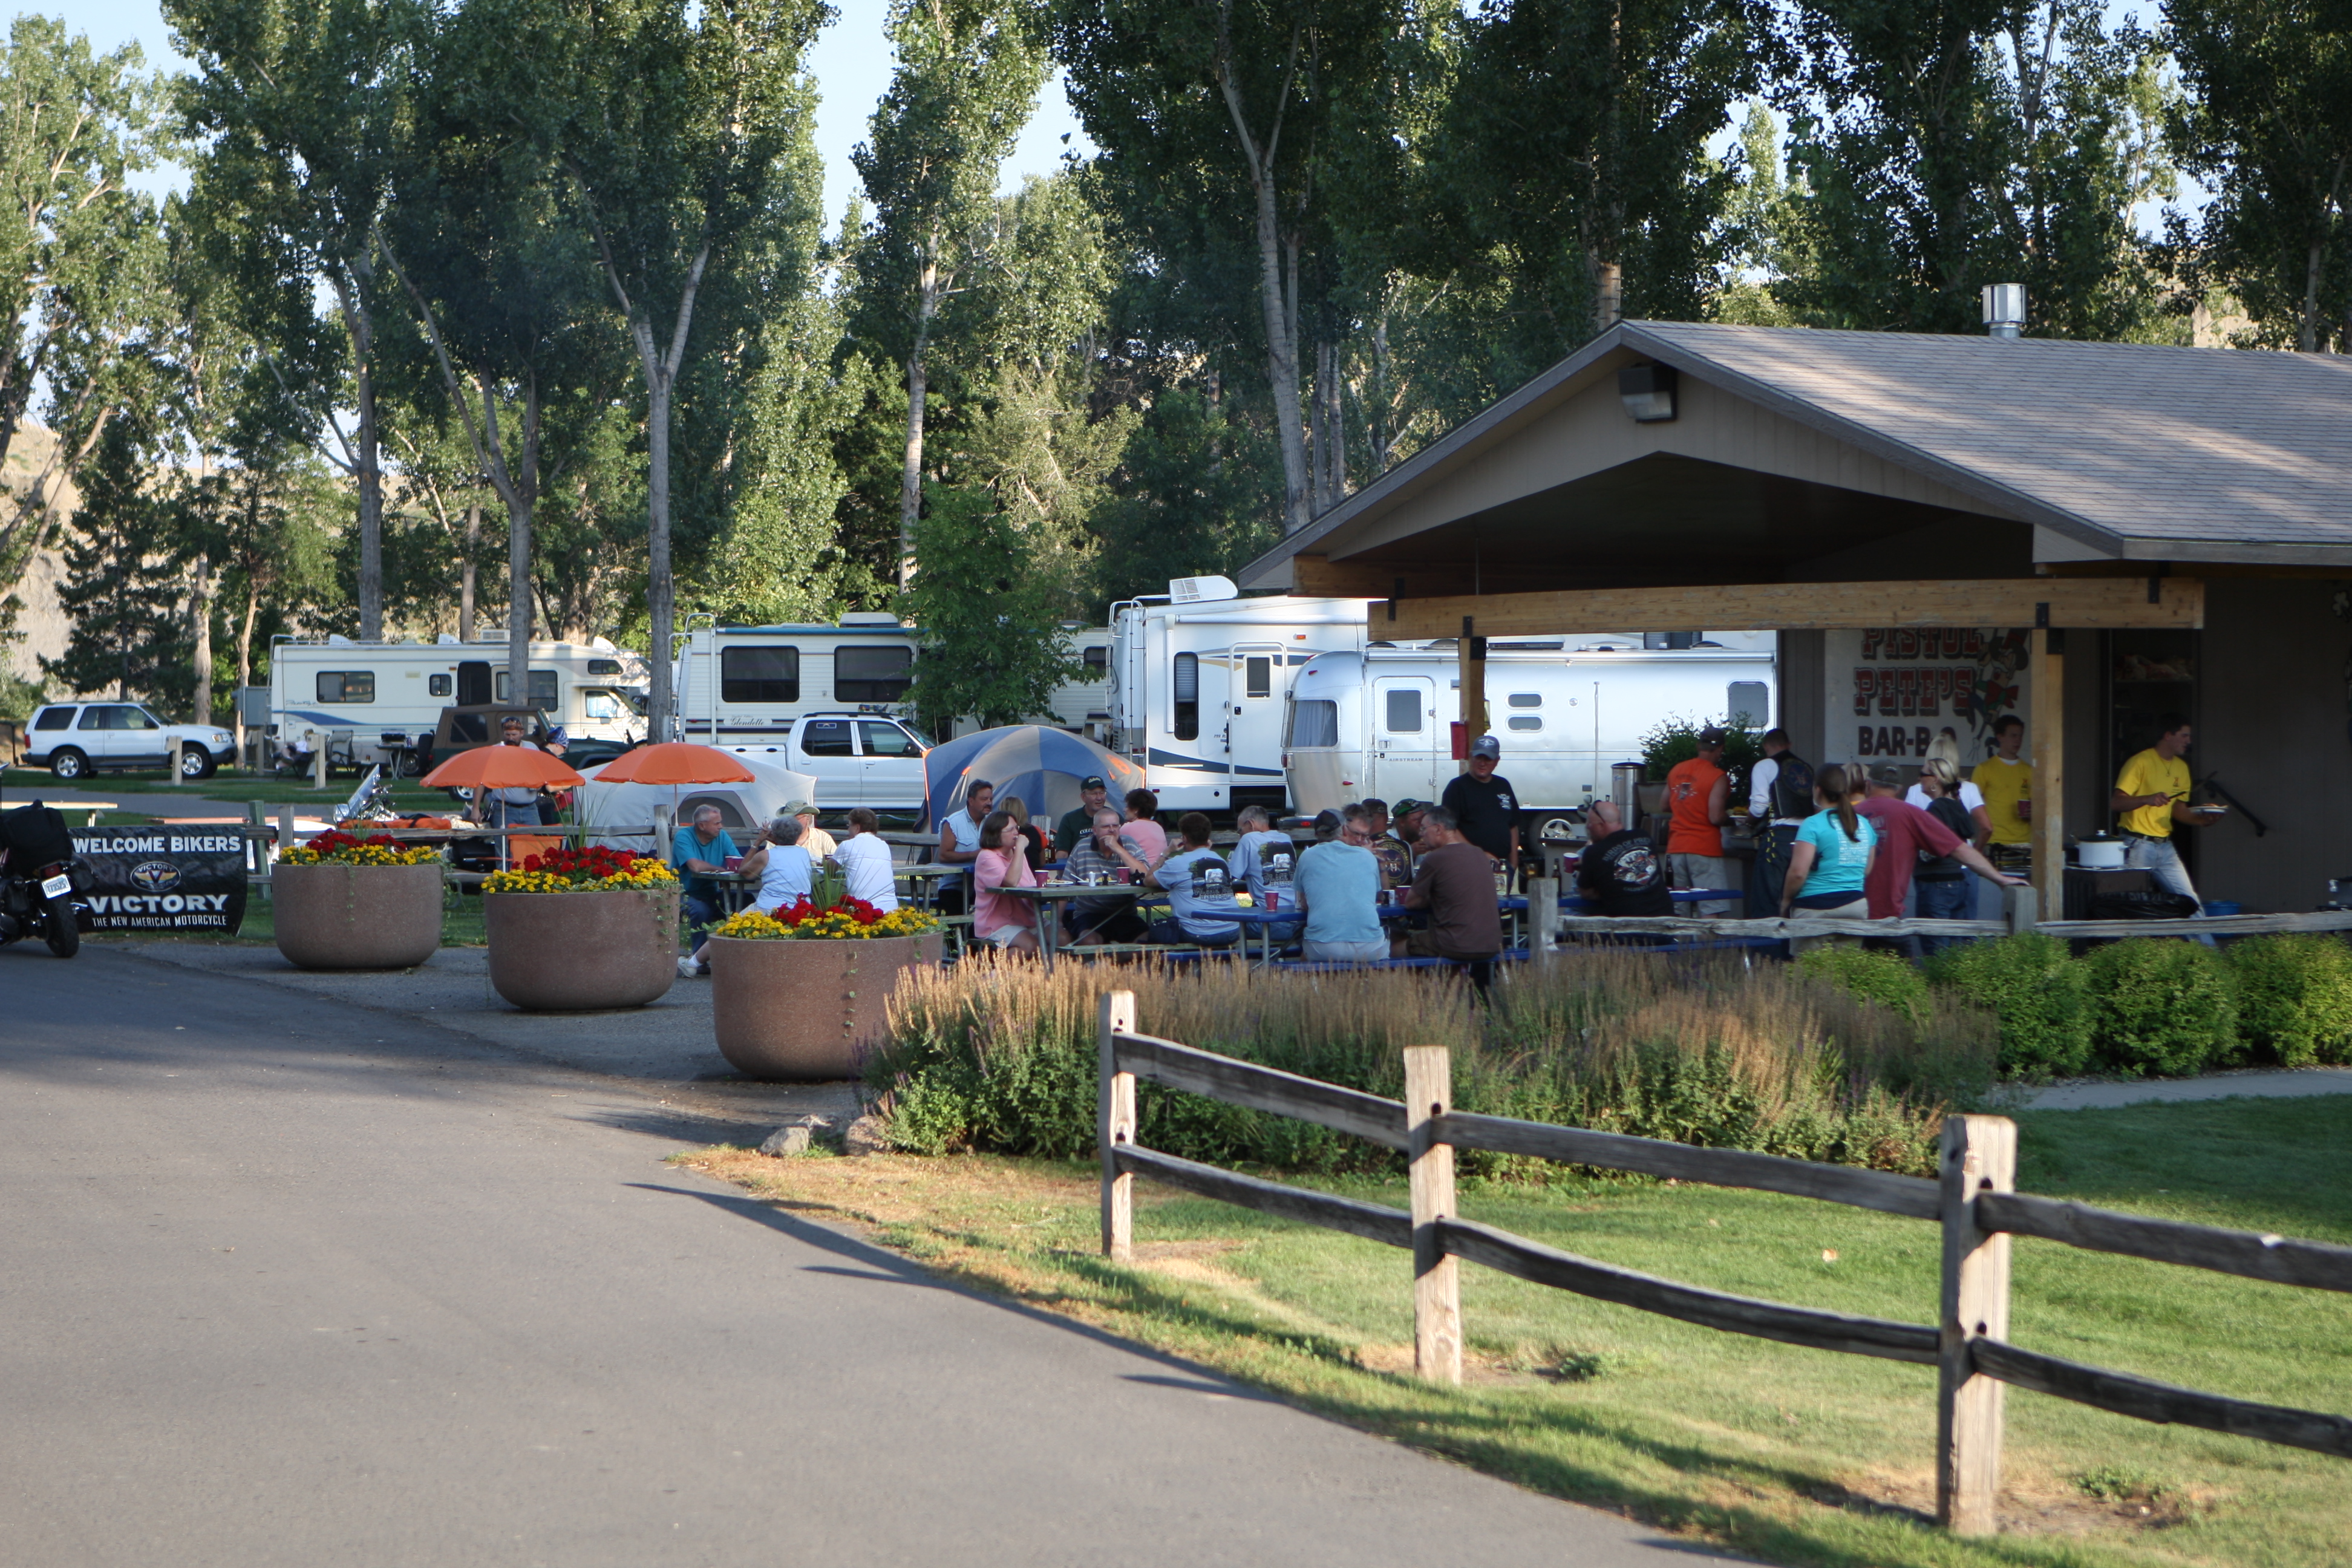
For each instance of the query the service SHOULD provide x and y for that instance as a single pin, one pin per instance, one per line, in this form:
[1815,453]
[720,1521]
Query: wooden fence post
[1114,1126]
[1436,1277]
[1979,1156]
[1543,918]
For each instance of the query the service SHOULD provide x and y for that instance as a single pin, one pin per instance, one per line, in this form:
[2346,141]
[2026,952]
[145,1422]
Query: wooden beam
[1318,576]
[2178,603]
[2046,728]
[1470,655]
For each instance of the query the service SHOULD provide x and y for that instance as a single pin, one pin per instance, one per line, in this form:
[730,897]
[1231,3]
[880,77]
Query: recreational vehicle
[1199,679]
[1379,723]
[388,694]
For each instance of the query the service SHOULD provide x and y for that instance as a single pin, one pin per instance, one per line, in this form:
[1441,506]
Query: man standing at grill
[1698,801]
[1485,808]
[2152,792]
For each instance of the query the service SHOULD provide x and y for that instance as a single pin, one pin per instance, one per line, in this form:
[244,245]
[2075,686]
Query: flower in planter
[590,869]
[337,847]
[851,920]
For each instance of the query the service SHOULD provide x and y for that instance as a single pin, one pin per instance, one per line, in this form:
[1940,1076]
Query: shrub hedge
[2294,997]
[2039,993]
[2159,1005]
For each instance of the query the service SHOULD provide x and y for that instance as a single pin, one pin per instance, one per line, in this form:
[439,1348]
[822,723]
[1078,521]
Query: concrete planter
[356,917]
[807,1011]
[583,952]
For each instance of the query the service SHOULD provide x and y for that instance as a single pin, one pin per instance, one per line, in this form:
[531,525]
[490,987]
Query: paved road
[331,1291]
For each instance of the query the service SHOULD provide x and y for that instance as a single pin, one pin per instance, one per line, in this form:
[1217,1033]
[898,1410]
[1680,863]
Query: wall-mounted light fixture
[1647,391]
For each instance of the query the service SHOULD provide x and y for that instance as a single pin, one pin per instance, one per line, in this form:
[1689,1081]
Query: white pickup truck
[856,759]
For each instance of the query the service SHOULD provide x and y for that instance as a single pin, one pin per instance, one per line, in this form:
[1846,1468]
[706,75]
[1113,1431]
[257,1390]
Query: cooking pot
[2100,853]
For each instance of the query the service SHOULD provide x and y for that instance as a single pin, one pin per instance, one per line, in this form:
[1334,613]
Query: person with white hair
[1263,855]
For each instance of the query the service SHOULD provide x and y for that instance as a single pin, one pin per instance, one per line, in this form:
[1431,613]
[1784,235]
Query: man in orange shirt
[1698,794]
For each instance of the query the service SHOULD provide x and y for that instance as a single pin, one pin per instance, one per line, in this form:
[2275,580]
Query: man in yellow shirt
[2152,792]
[2006,781]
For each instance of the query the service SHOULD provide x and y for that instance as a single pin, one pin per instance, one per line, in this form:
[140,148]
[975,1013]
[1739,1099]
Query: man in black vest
[1780,799]
[1620,871]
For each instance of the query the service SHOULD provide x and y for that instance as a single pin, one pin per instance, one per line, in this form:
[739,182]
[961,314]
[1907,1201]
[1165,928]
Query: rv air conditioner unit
[1202,590]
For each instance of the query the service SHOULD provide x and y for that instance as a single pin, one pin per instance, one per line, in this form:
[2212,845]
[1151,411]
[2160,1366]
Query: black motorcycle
[38,878]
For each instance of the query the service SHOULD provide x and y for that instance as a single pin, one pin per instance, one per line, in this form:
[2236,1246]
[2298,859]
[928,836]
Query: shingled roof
[2132,450]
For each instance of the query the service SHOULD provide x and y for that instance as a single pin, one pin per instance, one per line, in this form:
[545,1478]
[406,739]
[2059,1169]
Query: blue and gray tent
[1041,764]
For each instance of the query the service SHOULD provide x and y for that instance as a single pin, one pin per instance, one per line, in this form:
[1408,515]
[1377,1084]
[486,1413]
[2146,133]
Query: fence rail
[1971,1199]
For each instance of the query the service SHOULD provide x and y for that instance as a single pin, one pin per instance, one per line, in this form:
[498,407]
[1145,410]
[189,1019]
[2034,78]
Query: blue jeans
[702,910]
[1953,899]
[2161,859]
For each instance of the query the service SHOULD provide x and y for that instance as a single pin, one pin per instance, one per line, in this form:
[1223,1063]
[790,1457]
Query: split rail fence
[1973,1198]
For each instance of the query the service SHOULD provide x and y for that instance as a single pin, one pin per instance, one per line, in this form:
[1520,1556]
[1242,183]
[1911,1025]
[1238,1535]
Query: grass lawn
[1795,1456]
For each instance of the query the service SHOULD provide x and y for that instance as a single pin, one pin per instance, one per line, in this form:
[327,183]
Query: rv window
[1096,659]
[542,688]
[347,686]
[826,738]
[436,685]
[1526,721]
[1314,721]
[1750,704]
[604,667]
[1257,676]
[1404,712]
[872,674]
[1526,698]
[769,673]
[1187,725]
[882,739]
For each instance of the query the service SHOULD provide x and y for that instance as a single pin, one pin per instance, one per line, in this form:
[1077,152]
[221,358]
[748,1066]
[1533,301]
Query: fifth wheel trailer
[1377,723]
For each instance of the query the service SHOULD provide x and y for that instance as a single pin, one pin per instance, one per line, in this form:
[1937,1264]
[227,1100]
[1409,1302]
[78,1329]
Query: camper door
[1404,733]
[1254,738]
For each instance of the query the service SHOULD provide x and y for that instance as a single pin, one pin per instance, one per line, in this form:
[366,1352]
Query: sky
[851,62]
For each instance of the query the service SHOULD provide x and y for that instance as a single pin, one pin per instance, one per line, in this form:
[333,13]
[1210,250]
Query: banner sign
[159,878]
[1893,692]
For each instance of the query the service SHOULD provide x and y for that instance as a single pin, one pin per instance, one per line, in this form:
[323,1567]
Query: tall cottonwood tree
[967,81]
[299,106]
[2267,119]
[678,135]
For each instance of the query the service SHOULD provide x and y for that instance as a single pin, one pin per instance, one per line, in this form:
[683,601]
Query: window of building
[764,672]
[436,685]
[347,686]
[1750,704]
[542,688]
[1187,693]
[1314,721]
[826,738]
[1402,713]
[872,674]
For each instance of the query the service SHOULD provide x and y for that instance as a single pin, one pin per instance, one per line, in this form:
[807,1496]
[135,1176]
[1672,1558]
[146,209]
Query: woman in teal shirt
[1832,854]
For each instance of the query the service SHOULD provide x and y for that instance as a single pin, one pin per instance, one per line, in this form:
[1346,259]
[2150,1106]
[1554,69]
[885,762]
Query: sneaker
[687,969]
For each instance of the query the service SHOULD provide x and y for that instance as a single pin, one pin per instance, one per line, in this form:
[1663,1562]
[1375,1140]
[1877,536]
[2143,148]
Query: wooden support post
[2047,678]
[1472,656]
[1543,918]
[1114,1126]
[284,828]
[1436,1283]
[1979,1156]
[2024,908]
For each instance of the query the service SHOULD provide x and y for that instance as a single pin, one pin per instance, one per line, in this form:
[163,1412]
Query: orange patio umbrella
[501,767]
[677,762]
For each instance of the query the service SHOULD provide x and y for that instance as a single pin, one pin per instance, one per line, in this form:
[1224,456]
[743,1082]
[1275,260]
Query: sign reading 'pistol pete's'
[163,880]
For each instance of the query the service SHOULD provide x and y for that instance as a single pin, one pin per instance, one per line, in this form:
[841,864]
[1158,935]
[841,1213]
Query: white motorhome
[745,686]
[1199,678]
[388,693]
[1379,723]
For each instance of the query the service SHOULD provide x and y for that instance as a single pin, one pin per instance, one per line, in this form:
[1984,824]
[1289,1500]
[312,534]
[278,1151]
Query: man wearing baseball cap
[815,839]
[1484,805]
[1093,795]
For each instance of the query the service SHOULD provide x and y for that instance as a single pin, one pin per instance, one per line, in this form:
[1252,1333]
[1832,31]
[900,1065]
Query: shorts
[1344,951]
[1003,936]
[1424,944]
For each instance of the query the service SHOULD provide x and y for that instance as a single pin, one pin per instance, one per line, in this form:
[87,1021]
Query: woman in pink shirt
[1149,838]
[1008,924]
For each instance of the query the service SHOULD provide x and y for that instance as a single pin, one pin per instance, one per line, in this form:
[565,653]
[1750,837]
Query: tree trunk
[910,474]
[1608,296]
[200,616]
[1281,314]
[523,491]
[465,578]
[245,652]
[661,599]
[367,470]
[1335,424]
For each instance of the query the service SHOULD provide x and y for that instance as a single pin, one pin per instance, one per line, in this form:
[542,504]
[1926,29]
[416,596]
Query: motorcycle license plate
[57,887]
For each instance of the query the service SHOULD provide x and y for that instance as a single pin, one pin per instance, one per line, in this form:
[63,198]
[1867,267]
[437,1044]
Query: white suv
[74,740]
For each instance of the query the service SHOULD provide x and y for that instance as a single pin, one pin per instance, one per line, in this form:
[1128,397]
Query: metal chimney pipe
[2004,310]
